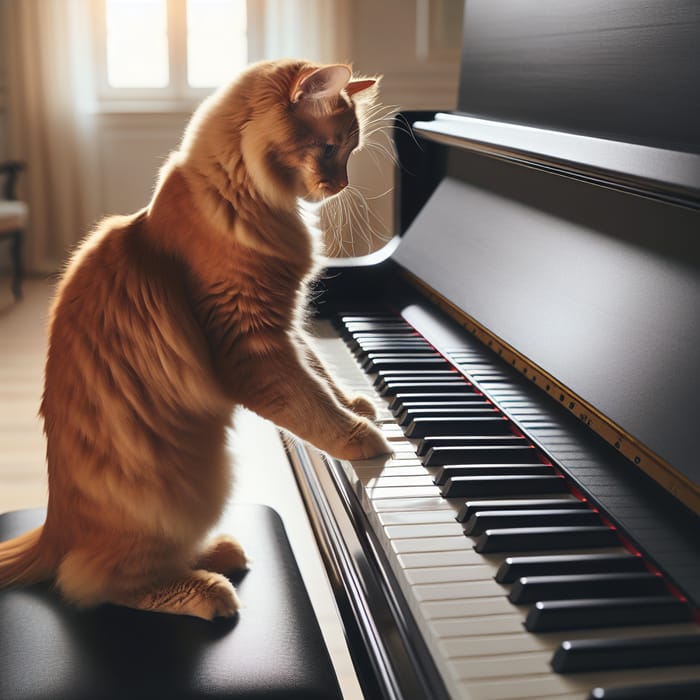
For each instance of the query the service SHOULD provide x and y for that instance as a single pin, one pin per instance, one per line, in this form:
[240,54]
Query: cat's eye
[329,150]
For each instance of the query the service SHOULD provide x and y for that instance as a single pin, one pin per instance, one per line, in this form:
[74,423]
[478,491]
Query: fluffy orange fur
[167,319]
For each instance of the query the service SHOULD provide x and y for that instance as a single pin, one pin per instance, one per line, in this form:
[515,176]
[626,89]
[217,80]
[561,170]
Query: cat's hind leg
[223,554]
[202,594]
[87,579]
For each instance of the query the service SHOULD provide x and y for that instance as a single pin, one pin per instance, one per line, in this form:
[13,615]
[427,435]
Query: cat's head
[304,122]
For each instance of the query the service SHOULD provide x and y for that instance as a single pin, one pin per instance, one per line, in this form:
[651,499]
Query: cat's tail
[23,560]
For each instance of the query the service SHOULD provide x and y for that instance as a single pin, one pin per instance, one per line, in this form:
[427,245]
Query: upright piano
[531,339]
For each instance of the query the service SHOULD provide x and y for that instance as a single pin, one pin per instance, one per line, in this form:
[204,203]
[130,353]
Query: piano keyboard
[520,587]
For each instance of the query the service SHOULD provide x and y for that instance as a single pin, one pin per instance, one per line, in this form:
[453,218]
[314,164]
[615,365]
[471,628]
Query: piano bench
[273,649]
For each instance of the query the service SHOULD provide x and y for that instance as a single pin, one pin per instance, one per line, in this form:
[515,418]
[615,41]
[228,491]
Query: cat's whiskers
[350,220]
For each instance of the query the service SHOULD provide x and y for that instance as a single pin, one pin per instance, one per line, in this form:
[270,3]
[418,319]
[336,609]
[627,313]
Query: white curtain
[312,29]
[53,113]
[49,122]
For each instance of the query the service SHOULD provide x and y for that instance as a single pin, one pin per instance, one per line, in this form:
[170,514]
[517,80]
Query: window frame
[178,94]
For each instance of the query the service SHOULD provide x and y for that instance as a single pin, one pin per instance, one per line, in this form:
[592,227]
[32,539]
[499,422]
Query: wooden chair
[14,215]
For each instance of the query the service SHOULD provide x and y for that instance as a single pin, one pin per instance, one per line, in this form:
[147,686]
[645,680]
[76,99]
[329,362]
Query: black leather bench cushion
[273,649]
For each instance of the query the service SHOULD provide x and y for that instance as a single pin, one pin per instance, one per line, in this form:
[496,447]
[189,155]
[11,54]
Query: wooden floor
[261,474]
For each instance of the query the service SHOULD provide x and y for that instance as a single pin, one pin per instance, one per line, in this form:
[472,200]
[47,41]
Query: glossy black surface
[272,649]
[619,69]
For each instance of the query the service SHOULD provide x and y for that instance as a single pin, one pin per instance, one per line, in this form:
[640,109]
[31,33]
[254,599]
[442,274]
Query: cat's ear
[355,86]
[321,83]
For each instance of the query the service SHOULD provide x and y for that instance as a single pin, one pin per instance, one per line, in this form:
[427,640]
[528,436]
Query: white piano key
[458,590]
[435,609]
[390,481]
[398,532]
[392,430]
[475,635]
[455,628]
[400,469]
[432,544]
[379,463]
[386,491]
[533,687]
[434,503]
[414,517]
[471,645]
[504,666]
[448,557]
[447,574]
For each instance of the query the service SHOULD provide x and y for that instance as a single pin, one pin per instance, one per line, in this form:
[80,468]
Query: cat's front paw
[363,406]
[365,441]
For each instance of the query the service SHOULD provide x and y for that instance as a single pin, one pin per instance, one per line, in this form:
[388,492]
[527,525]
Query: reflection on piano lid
[530,341]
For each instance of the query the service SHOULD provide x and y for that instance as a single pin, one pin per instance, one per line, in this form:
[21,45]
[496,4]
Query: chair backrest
[11,170]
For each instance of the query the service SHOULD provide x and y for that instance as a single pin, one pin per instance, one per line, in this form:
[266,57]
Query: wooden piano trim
[637,453]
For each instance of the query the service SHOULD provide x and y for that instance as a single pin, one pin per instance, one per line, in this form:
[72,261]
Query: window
[170,49]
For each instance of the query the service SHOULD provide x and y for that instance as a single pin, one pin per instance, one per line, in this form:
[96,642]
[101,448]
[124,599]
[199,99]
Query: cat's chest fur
[247,269]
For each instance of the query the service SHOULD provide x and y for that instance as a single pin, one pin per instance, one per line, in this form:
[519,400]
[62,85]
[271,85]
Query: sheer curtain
[312,29]
[49,122]
[53,113]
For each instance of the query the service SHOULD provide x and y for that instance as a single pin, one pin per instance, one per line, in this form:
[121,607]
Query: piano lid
[607,90]
[593,290]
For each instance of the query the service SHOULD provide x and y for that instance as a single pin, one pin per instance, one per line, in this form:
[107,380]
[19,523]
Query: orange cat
[167,319]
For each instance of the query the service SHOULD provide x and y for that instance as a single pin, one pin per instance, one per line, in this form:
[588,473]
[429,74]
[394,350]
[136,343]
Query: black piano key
[350,316]
[530,589]
[378,327]
[486,520]
[471,507]
[553,615]
[632,652]
[364,336]
[437,455]
[362,350]
[456,386]
[465,409]
[406,363]
[411,375]
[514,568]
[463,440]
[404,357]
[683,690]
[409,409]
[502,486]
[417,376]
[384,329]
[525,539]
[357,340]
[394,344]
[414,376]
[402,398]
[444,474]
[407,338]
[467,424]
